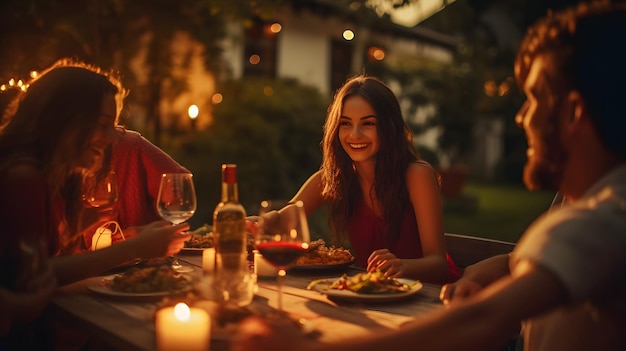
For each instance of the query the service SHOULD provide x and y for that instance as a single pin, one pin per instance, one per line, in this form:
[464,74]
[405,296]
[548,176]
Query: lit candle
[208,260]
[182,328]
[262,267]
[101,239]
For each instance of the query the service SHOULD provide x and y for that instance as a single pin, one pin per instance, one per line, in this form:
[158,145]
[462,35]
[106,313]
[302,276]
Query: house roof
[358,13]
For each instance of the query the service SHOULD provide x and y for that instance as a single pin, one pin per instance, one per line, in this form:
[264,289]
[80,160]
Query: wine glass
[176,203]
[100,190]
[283,240]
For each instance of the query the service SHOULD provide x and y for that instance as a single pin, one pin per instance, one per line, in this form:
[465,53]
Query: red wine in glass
[285,238]
[279,253]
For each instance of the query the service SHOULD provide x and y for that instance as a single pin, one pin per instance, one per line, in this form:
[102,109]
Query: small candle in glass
[101,239]
[208,260]
[182,328]
[263,268]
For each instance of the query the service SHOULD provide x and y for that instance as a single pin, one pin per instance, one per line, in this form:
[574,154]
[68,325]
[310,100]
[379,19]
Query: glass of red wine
[283,238]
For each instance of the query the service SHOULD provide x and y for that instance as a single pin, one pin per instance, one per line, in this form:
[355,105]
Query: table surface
[128,324]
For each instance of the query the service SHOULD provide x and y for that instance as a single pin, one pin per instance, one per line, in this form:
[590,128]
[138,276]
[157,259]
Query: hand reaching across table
[475,278]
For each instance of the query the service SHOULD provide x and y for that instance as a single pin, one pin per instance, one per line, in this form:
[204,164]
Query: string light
[16,84]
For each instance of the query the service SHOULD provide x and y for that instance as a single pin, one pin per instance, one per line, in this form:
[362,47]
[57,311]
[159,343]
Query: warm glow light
[276,28]
[182,312]
[348,34]
[268,91]
[208,259]
[3,87]
[101,239]
[11,82]
[255,59]
[217,98]
[409,14]
[376,53]
[182,328]
[490,88]
[34,74]
[193,111]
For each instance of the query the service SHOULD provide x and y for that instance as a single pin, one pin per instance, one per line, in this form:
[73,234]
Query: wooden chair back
[466,250]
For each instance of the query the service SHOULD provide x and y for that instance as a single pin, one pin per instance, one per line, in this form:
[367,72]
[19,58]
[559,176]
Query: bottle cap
[229,173]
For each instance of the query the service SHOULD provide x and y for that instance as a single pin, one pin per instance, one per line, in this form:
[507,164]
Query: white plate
[379,297]
[320,267]
[193,250]
[105,290]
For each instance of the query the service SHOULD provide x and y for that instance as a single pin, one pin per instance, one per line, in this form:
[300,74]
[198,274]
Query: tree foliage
[270,128]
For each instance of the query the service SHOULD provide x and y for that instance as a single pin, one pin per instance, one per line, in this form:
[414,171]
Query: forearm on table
[72,268]
[431,268]
[488,270]
[432,332]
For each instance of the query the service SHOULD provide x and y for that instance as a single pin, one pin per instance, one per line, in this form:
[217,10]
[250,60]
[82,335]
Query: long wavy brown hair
[52,123]
[340,186]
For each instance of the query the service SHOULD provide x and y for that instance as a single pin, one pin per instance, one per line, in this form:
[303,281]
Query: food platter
[105,288]
[347,295]
[316,268]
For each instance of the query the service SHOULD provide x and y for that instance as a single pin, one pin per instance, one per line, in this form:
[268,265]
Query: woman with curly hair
[52,135]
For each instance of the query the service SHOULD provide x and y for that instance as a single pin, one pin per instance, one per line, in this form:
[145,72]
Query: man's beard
[545,171]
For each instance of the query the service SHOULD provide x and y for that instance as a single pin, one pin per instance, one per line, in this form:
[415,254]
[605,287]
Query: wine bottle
[229,223]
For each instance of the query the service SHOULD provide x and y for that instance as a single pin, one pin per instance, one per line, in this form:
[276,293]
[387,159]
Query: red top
[139,165]
[365,231]
[27,219]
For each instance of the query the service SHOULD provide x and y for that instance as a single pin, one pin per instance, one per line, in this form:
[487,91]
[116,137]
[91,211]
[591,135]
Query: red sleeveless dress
[365,231]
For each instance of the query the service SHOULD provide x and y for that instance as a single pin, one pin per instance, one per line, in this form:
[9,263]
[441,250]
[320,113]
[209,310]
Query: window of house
[260,50]
[340,63]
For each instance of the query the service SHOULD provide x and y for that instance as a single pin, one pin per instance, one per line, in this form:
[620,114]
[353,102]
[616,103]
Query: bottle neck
[229,192]
[229,183]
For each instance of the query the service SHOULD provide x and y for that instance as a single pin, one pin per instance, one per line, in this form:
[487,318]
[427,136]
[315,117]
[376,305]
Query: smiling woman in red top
[380,194]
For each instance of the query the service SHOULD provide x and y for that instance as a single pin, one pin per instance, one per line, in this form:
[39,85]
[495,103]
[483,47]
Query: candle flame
[182,312]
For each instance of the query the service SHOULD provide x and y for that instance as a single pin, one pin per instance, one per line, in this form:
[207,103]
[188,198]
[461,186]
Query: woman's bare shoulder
[421,167]
[421,171]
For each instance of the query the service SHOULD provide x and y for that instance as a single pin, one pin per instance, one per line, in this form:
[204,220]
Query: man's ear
[577,109]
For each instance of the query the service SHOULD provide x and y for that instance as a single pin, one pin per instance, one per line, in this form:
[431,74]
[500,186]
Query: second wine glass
[100,190]
[283,240]
[176,203]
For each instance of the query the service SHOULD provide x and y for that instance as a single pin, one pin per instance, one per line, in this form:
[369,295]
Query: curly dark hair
[585,43]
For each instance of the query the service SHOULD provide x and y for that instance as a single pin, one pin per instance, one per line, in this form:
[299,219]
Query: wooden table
[123,324]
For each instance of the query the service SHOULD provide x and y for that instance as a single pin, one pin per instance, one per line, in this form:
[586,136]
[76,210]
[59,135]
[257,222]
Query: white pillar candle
[208,260]
[182,328]
[101,239]
[262,267]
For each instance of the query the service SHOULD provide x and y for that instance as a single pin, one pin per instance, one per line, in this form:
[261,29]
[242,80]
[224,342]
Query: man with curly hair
[564,282]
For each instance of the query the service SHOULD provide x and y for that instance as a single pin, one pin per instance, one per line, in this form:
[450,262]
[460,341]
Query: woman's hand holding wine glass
[284,240]
[176,203]
[158,239]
